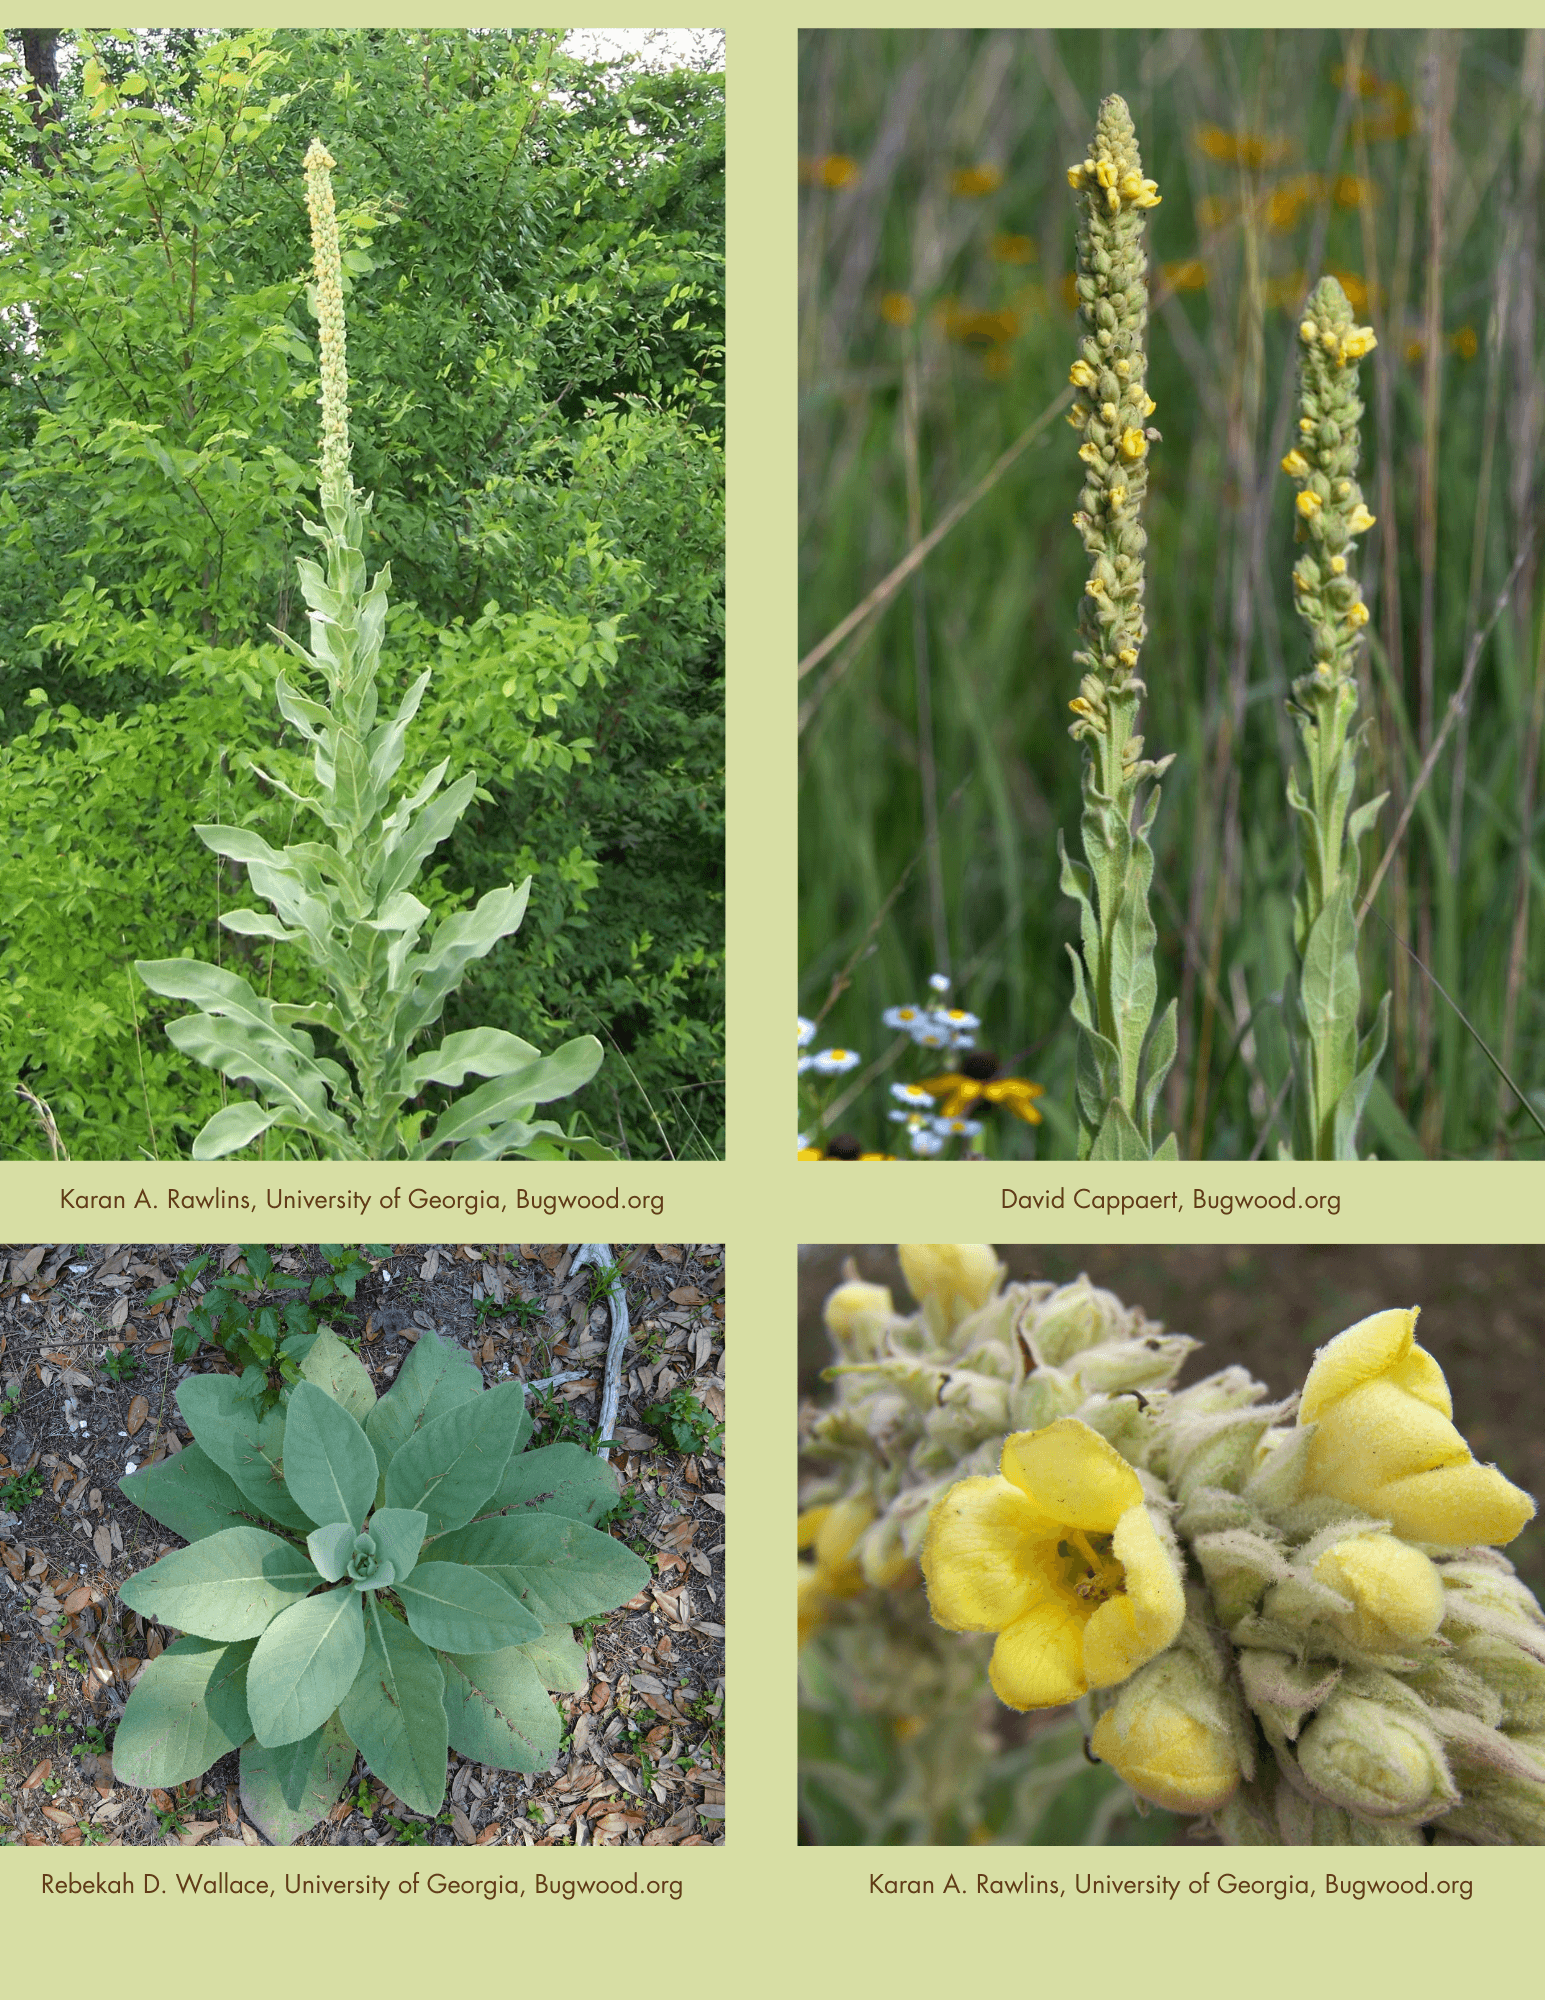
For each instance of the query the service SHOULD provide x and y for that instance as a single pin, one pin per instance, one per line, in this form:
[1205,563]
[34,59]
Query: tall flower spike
[1333,1070]
[329,309]
[1123,1054]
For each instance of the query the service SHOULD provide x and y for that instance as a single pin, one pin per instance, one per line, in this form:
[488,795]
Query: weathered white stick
[600,1255]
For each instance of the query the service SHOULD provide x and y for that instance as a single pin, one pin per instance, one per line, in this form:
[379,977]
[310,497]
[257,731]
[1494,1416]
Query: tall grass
[936,252]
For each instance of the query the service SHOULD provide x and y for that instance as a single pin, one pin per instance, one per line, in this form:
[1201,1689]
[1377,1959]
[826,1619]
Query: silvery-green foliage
[345,899]
[396,1577]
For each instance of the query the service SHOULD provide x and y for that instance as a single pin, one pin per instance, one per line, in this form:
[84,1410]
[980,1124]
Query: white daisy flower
[901,1017]
[940,982]
[958,1019]
[910,1093]
[957,1128]
[834,1062]
[806,1032]
[929,1037]
[925,1144]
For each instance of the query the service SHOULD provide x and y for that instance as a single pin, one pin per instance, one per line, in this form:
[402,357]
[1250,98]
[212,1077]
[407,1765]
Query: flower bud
[949,1280]
[1168,1736]
[1374,1758]
[857,1316]
[1395,1591]
[1383,1440]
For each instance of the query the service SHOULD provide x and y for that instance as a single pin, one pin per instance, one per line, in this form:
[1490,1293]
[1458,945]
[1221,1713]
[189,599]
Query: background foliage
[533,246]
[936,333]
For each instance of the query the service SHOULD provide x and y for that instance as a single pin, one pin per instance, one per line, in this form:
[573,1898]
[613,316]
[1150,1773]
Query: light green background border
[761,1915]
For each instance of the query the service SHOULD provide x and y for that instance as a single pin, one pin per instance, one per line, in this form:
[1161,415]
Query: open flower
[977,1082]
[1384,1440]
[1059,1556]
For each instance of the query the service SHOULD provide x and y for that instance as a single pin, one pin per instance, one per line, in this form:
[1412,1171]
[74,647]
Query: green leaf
[286,1790]
[558,1479]
[482,1051]
[304,1665]
[330,1549]
[329,1466]
[187,1709]
[1329,995]
[436,1377]
[559,1569]
[459,1610]
[1118,1138]
[497,1711]
[1350,1105]
[246,1446]
[560,1660]
[399,1535]
[336,1369]
[566,1070]
[395,1712]
[189,1494]
[229,1585]
[230,1129]
[453,1465]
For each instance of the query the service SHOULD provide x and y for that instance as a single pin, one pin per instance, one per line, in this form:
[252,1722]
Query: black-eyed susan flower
[1061,1558]
[977,1082]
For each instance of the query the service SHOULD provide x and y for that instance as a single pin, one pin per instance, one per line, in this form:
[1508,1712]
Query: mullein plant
[1291,1622]
[344,899]
[1333,1068]
[1124,1055]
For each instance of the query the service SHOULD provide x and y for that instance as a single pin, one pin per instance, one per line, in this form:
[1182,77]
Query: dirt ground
[1269,1307]
[87,1377]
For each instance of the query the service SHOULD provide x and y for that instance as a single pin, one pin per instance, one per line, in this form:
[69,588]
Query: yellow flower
[1167,1752]
[1009,248]
[1356,342]
[1396,1593]
[976,180]
[1357,615]
[1133,444]
[1338,565]
[829,170]
[1295,465]
[957,1277]
[1189,275]
[977,1081]
[897,309]
[1384,1440]
[1309,504]
[1059,1556]
[1361,520]
[832,1532]
[1082,376]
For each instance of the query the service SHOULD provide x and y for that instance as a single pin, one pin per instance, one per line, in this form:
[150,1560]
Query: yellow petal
[1130,1629]
[980,1557]
[1455,1505]
[1038,1660]
[1377,1434]
[1073,1475]
[1358,1355]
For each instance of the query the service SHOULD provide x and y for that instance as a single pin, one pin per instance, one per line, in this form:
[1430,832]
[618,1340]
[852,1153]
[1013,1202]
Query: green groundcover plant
[416,1597]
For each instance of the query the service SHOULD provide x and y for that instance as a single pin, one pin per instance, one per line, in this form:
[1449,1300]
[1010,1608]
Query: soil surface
[87,1381]
[1269,1307]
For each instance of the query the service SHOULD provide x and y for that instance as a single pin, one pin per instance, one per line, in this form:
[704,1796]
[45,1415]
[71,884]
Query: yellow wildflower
[1384,1440]
[857,1316]
[1357,342]
[1308,504]
[828,170]
[1295,465]
[1188,275]
[1465,343]
[1357,614]
[1082,376]
[1059,1556]
[1133,443]
[897,309]
[971,181]
[1338,565]
[1360,520]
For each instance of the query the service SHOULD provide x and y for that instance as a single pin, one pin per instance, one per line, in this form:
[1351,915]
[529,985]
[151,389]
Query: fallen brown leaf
[139,1410]
[37,1774]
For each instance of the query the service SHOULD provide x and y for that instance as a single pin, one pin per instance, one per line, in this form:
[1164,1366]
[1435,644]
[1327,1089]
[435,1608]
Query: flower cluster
[1291,1618]
[319,164]
[1329,502]
[935,1109]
